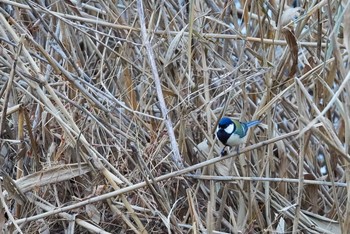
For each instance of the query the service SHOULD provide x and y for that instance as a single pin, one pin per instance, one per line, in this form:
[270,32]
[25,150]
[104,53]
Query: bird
[231,132]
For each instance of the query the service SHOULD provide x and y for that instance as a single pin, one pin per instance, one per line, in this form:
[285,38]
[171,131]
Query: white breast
[235,140]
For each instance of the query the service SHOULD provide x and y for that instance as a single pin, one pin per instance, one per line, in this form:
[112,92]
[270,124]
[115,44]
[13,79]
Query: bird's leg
[237,149]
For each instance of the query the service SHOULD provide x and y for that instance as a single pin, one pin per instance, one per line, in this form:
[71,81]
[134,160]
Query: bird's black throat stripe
[222,136]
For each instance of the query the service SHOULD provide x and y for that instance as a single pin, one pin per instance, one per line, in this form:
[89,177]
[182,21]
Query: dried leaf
[328,226]
[293,47]
[311,194]
[130,89]
[170,53]
[346,28]
[53,174]
[282,167]
[93,213]
[13,189]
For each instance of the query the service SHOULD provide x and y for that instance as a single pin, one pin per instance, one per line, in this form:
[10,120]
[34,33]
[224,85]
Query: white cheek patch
[229,129]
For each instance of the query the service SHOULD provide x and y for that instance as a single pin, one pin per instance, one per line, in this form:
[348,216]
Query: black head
[225,122]
[225,128]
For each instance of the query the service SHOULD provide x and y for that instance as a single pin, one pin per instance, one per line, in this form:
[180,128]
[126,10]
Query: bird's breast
[234,139]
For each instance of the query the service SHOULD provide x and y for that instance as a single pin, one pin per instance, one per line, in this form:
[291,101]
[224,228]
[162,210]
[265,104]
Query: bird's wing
[241,128]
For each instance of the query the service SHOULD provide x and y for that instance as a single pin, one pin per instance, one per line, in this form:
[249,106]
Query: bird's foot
[223,152]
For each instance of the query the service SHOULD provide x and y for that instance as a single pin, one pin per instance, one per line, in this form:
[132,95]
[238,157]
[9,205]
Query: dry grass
[108,111]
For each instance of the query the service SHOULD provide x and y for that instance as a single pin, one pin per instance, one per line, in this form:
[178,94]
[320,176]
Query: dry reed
[109,109]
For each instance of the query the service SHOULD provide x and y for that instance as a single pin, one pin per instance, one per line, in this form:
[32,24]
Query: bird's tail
[252,123]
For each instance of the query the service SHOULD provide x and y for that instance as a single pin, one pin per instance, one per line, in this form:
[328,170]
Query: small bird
[231,132]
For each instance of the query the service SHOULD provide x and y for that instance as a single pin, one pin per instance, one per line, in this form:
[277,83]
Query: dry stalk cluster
[108,111]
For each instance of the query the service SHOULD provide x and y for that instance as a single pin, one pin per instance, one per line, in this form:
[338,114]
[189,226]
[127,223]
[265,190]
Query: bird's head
[227,125]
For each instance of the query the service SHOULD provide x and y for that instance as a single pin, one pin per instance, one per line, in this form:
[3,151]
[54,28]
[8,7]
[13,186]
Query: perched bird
[231,132]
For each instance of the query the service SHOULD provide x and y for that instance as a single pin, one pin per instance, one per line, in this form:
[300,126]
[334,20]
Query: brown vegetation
[109,109]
